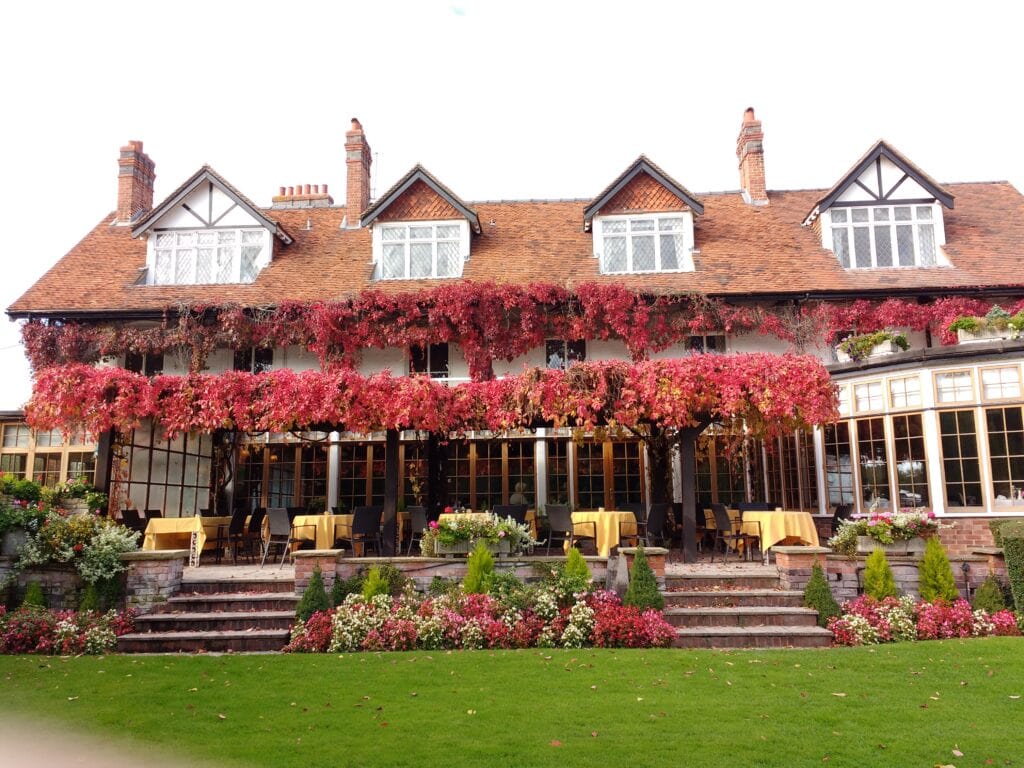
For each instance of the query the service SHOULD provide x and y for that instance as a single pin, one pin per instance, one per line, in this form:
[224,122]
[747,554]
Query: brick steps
[228,586]
[723,581]
[215,621]
[238,601]
[734,598]
[752,637]
[751,616]
[198,642]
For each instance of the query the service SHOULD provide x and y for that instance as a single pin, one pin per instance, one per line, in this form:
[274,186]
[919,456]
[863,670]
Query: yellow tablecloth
[174,533]
[779,526]
[531,518]
[322,527]
[607,525]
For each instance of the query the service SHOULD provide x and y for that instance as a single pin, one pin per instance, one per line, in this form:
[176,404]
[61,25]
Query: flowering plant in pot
[460,534]
[885,528]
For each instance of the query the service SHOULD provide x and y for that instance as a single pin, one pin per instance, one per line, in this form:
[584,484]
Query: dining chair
[154,513]
[639,510]
[130,519]
[516,511]
[756,506]
[417,525]
[254,532]
[365,530]
[727,533]
[843,512]
[279,533]
[563,528]
[656,520]
[294,512]
[230,536]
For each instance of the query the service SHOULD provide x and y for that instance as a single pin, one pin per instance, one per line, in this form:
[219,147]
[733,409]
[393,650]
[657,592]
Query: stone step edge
[229,634]
[230,597]
[742,610]
[720,576]
[753,592]
[215,615]
[768,630]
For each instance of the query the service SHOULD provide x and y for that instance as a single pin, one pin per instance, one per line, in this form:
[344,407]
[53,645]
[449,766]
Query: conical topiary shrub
[643,592]
[935,576]
[479,568]
[818,595]
[989,596]
[879,582]
[314,598]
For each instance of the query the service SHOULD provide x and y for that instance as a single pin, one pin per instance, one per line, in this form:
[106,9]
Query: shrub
[439,585]
[503,585]
[989,596]
[397,581]
[818,595]
[479,568]
[935,576]
[866,620]
[312,635]
[342,588]
[36,630]
[859,347]
[314,597]
[1013,551]
[643,589]
[90,599]
[879,582]
[34,597]
[576,567]
[376,584]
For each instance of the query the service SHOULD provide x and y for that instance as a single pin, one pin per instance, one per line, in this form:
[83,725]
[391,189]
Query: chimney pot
[358,159]
[316,189]
[308,189]
[280,192]
[291,191]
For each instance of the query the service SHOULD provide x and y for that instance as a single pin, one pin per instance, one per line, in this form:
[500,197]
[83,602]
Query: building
[885,247]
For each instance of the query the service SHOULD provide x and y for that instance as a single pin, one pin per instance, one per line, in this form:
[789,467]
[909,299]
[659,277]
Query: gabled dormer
[643,222]
[207,232]
[420,229]
[886,212]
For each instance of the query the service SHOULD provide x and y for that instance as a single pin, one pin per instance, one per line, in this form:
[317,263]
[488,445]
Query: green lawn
[900,705]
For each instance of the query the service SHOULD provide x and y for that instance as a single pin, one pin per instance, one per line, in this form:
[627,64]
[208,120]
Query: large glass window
[488,475]
[905,392]
[14,464]
[954,387]
[1006,452]
[459,474]
[46,468]
[868,396]
[960,465]
[561,354]
[838,463]
[420,250]
[558,471]
[627,473]
[590,475]
[884,236]
[721,475]
[207,256]
[169,475]
[353,468]
[644,244]
[909,458]
[430,360]
[82,465]
[1000,383]
[521,472]
[874,464]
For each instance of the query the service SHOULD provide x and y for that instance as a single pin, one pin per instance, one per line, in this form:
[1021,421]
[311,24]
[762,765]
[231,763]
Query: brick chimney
[302,196]
[135,176]
[358,160]
[750,151]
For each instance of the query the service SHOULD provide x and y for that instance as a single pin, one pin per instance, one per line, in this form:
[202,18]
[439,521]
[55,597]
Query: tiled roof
[744,250]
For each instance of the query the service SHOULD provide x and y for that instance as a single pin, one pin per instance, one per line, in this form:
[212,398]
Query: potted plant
[996,324]
[867,345]
[460,535]
[18,521]
[899,533]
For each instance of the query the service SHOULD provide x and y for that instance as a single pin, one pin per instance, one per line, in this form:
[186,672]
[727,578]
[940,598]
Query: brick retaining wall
[153,576]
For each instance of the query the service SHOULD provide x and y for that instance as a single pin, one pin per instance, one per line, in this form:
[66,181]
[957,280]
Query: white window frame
[954,387]
[938,228]
[685,256]
[1004,378]
[378,247]
[175,251]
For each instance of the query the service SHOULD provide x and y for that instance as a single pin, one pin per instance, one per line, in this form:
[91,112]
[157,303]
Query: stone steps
[734,598]
[216,621]
[722,581]
[227,586]
[752,637]
[238,601]
[248,641]
[751,616]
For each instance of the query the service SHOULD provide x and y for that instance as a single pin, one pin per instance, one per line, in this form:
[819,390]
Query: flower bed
[37,630]
[459,621]
[866,621]
[885,528]
[457,534]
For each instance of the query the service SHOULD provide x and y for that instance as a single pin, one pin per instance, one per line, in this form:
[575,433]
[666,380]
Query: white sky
[505,100]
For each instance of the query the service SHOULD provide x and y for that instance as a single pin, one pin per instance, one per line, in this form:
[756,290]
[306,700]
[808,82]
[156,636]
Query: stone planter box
[866,545]
[465,547]
[984,334]
[12,542]
[879,350]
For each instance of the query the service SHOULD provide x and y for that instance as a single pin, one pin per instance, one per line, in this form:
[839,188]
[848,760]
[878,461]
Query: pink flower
[433,525]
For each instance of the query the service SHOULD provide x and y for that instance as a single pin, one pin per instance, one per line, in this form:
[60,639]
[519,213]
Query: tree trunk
[390,517]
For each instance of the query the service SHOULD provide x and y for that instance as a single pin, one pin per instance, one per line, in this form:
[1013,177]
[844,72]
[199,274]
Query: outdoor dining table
[322,527]
[781,525]
[606,524]
[181,533]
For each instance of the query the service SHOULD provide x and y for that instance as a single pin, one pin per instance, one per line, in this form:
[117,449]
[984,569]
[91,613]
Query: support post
[390,517]
[687,457]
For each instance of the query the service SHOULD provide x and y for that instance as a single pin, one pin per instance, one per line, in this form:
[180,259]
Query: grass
[914,704]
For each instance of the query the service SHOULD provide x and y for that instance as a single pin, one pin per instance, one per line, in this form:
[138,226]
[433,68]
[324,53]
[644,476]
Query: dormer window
[886,236]
[648,243]
[416,250]
[208,256]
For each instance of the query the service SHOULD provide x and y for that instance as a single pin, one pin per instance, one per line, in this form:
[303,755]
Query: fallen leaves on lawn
[556,743]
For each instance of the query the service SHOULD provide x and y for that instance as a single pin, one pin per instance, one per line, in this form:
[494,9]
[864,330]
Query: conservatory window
[632,244]
[1000,383]
[954,387]
[421,250]
[886,236]
[905,392]
[868,396]
[207,256]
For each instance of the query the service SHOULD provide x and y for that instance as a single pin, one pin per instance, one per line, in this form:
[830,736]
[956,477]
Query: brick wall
[358,160]
[136,174]
[966,534]
[153,577]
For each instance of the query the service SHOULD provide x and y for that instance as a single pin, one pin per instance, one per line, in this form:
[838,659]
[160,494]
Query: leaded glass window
[884,236]
[417,251]
[643,244]
[207,256]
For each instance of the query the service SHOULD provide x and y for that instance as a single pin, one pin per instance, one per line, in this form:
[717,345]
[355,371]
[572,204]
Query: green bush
[935,576]
[1013,551]
[314,597]
[576,566]
[396,580]
[818,595]
[376,584]
[439,586]
[90,599]
[643,592]
[479,569]
[34,597]
[879,582]
[989,596]
[505,586]
[342,588]
[21,489]
[996,527]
